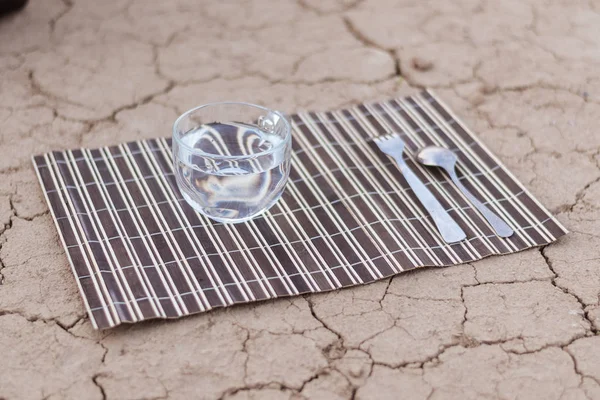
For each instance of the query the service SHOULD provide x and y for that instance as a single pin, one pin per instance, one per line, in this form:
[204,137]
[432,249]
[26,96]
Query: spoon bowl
[435,156]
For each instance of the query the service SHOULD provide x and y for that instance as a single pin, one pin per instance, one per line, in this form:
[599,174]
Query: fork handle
[449,229]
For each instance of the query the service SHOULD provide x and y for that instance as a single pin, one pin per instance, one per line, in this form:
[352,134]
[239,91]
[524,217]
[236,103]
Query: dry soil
[523,74]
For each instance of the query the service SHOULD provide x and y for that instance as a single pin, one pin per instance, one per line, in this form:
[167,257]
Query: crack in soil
[584,313]
[69,5]
[358,35]
[98,385]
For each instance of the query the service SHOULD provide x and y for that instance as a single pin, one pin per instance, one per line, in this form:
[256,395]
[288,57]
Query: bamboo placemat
[347,217]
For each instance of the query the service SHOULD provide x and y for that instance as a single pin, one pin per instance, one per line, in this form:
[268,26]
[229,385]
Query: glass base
[223,220]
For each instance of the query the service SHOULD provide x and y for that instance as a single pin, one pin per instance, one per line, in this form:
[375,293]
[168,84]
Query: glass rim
[194,151]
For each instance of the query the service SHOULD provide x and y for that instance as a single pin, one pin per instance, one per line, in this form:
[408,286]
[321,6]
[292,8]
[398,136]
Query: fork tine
[391,144]
[387,136]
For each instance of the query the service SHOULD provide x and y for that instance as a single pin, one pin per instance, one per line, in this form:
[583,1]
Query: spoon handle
[501,227]
[449,229]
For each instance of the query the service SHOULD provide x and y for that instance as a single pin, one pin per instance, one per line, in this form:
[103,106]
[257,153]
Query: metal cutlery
[435,156]
[393,146]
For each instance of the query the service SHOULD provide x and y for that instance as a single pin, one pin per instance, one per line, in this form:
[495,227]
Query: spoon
[435,156]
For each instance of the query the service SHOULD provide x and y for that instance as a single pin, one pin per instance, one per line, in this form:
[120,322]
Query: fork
[393,146]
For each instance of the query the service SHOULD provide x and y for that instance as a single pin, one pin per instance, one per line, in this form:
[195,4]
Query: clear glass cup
[231,160]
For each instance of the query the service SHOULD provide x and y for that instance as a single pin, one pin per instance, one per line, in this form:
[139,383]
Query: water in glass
[236,175]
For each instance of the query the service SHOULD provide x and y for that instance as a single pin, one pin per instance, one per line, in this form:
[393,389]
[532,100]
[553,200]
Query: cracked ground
[523,74]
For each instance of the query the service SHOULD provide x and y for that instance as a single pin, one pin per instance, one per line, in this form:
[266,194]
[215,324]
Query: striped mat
[347,217]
